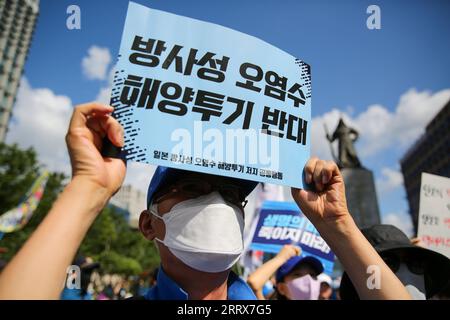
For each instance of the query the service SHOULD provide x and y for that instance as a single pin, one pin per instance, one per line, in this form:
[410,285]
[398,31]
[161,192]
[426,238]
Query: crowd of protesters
[423,272]
[197,221]
[98,285]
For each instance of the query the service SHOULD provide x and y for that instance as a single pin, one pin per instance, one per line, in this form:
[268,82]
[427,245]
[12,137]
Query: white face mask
[206,233]
[414,283]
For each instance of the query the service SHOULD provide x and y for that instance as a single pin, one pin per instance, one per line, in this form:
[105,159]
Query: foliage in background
[18,170]
[110,240]
[117,247]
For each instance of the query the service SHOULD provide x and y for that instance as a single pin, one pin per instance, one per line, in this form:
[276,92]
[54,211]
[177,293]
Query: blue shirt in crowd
[74,294]
[167,289]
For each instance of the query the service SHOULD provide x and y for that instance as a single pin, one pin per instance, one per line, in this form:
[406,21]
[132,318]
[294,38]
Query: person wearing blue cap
[195,220]
[197,223]
[296,275]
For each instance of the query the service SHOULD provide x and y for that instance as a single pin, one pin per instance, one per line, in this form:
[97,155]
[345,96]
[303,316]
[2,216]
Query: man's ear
[145,225]
[283,289]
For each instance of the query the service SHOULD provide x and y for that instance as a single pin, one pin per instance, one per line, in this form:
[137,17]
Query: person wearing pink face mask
[296,276]
[297,279]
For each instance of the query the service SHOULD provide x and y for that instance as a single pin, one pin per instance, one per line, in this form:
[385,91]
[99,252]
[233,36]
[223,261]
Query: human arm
[326,208]
[261,275]
[38,270]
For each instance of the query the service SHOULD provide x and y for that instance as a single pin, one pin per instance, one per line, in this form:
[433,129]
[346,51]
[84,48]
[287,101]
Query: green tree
[110,240]
[18,170]
[117,247]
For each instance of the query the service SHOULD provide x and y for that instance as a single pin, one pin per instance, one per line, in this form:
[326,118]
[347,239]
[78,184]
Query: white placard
[434,213]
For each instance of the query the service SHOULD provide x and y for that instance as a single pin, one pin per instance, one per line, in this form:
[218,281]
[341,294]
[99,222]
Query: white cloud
[95,64]
[319,145]
[381,131]
[390,180]
[104,95]
[380,128]
[401,221]
[40,120]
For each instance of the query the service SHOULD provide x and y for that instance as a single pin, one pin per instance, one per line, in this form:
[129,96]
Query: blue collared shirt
[167,289]
[74,294]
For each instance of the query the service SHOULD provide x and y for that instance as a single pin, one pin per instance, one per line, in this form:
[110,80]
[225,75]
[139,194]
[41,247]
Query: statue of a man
[346,136]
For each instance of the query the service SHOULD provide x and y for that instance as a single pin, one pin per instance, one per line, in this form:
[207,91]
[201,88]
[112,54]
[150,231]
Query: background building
[17,22]
[430,154]
[131,201]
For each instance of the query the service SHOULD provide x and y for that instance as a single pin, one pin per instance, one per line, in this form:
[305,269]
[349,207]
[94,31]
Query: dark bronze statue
[346,136]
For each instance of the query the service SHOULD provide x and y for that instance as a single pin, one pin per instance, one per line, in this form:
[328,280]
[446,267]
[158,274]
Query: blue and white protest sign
[202,97]
[282,223]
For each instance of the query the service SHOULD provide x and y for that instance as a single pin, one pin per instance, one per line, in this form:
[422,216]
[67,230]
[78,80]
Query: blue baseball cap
[165,176]
[293,262]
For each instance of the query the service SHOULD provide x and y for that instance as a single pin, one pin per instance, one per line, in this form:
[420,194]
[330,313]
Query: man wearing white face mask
[196,253]
[197,223]
[423,272]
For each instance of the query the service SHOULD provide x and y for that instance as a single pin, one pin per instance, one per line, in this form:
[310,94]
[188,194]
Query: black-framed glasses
[194,187]
[414,265]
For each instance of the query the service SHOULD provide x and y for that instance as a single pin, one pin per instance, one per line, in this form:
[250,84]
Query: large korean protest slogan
[198,96]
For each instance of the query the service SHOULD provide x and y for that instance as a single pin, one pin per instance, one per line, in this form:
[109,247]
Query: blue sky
[351,64]
[353,68]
